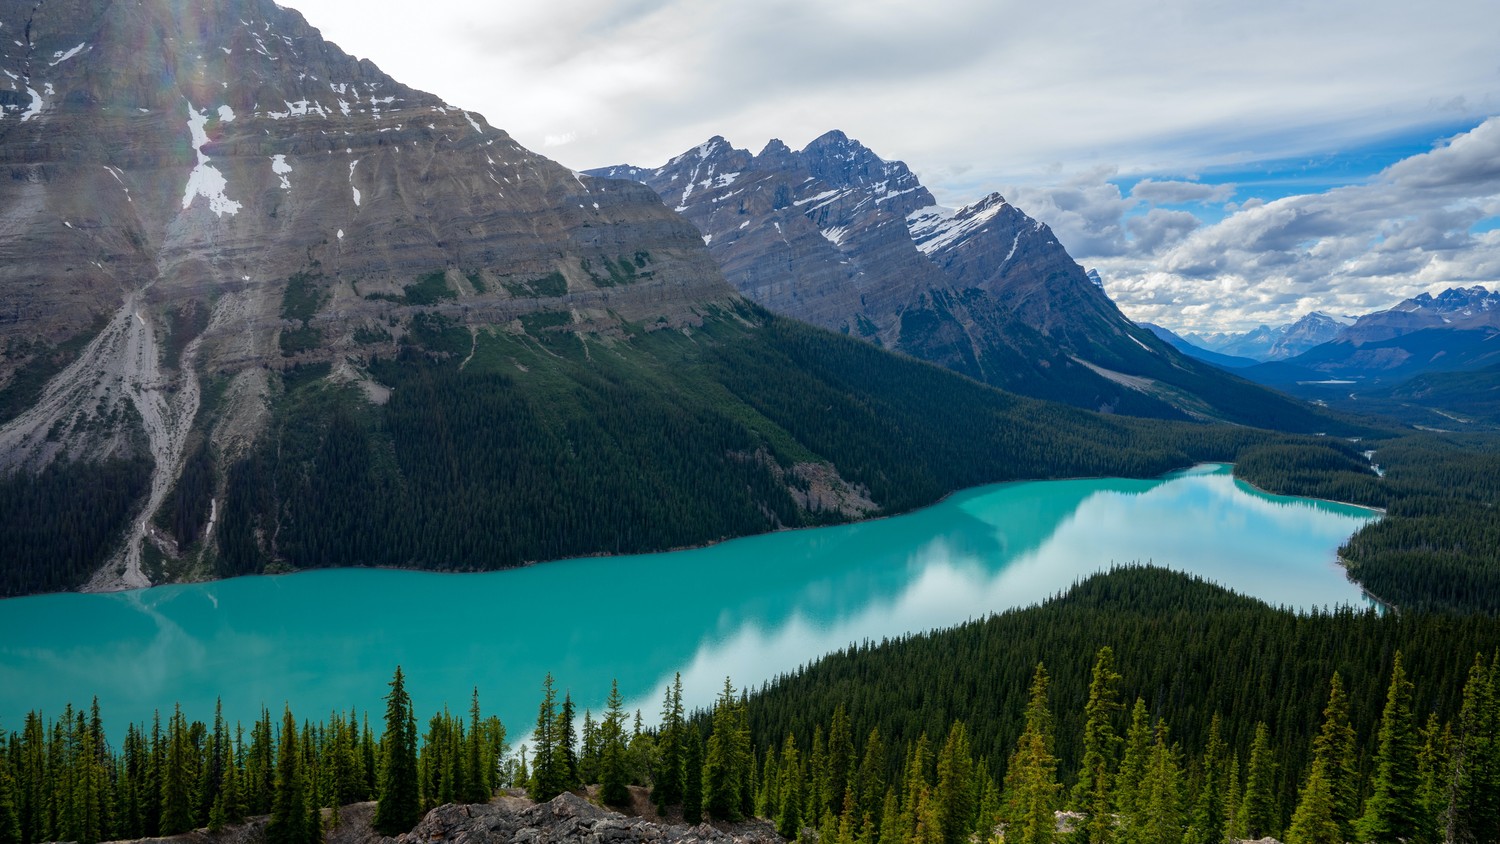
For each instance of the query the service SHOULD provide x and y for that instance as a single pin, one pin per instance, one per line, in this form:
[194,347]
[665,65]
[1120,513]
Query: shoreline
[777,530]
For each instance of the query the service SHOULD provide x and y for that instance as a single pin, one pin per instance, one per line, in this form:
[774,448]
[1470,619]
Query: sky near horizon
[1222,164]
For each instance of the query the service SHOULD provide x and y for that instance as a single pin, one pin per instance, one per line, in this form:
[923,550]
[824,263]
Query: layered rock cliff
[211,190]
[839,237]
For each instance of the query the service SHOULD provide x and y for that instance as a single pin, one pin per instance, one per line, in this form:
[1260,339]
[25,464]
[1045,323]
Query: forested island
[1142,705]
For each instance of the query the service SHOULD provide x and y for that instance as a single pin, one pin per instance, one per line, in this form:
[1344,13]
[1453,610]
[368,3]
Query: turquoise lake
[749,609]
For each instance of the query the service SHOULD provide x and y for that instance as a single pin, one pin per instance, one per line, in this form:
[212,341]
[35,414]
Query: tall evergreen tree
[289,809]
[399,803]
[176,797]
[840,759]
[872,779]
[668,788]
[955,795]
[567,744]
[1208,821]
[1315,820]
[1161,793]
[1258,816]
[10,818]
[723,764]
[481,779]
[614,769]
[789,816]
[1031,785]
[1473,810]
[1101,750]
[1128,800]
[692,777]
[1392,812]
[547,777]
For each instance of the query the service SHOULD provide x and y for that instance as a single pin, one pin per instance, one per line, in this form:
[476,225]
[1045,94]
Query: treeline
[61,524]
[553,444]
[63,780]
[1438,547]
[1189,649]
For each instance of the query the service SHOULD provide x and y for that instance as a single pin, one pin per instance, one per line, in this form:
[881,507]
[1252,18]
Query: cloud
[1349,249]
[1171,192]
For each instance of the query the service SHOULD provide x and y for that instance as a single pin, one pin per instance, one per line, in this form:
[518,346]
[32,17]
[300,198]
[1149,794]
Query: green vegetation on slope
[1438,548]
[557,443]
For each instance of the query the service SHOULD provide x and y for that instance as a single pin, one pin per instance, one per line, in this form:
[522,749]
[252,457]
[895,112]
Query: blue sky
[1146,135]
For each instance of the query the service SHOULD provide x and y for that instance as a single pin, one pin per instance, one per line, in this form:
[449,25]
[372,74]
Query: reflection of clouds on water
[750,609]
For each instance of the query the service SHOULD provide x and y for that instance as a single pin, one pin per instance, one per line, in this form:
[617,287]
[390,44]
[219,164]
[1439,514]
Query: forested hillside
[499,448]
[1438,547]
[1151,705]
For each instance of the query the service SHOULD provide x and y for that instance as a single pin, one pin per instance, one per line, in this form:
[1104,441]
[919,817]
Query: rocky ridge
[219,193]
[837,236]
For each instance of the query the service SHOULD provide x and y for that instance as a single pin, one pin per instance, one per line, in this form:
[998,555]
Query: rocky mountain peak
[211,190]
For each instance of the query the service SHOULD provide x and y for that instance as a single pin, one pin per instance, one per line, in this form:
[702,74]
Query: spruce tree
[176,799]
[1475,787]
[289,806]
[567,745]
[399,803]
[872,782]
[1101,750]
[1336,747]
[1031,779]
[955,785]
[789,800]
[723,767]
[1162,791]
[692,777]
[668,788]
[546,778]
[614,770]
[1208,820]
[1315,821]
[1257,817]
[840,759]
[10,818]
[1133,767]
[1392,812]
[480,779]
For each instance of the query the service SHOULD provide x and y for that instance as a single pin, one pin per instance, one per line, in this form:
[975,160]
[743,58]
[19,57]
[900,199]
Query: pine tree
[546,778]
[1335,745]
[692,777]
[480,780]
[614,772]
[1257,816]
[1208,819]
[789,799]
[1392,812]
[668,790]
[1101,749]
[955,786]
[289,808]
[1128,800]
[399,804]
[176,801]
[840,759]
[1474,793]
[1162,791]
[10,818]
[567,745]
[1314,821]
[723,765]
[872,782]
[1031,785]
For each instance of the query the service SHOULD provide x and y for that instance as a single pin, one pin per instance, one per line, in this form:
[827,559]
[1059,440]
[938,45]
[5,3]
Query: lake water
[749,609]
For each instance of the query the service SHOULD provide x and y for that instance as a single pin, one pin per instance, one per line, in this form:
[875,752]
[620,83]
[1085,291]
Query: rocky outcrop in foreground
[569,818]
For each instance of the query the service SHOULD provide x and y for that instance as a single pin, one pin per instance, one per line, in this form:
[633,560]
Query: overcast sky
[1221,163]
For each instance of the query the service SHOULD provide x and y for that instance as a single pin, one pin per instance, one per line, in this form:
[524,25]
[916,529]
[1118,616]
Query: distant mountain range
[837,236]
[1426,361]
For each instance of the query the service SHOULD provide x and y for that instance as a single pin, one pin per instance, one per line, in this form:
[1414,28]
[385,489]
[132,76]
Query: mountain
[1191,350]
[837,236]
[1265,343]
[1453,331]
[264,308]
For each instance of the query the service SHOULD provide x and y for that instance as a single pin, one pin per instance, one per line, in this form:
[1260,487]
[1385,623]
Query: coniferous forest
[1143,705]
